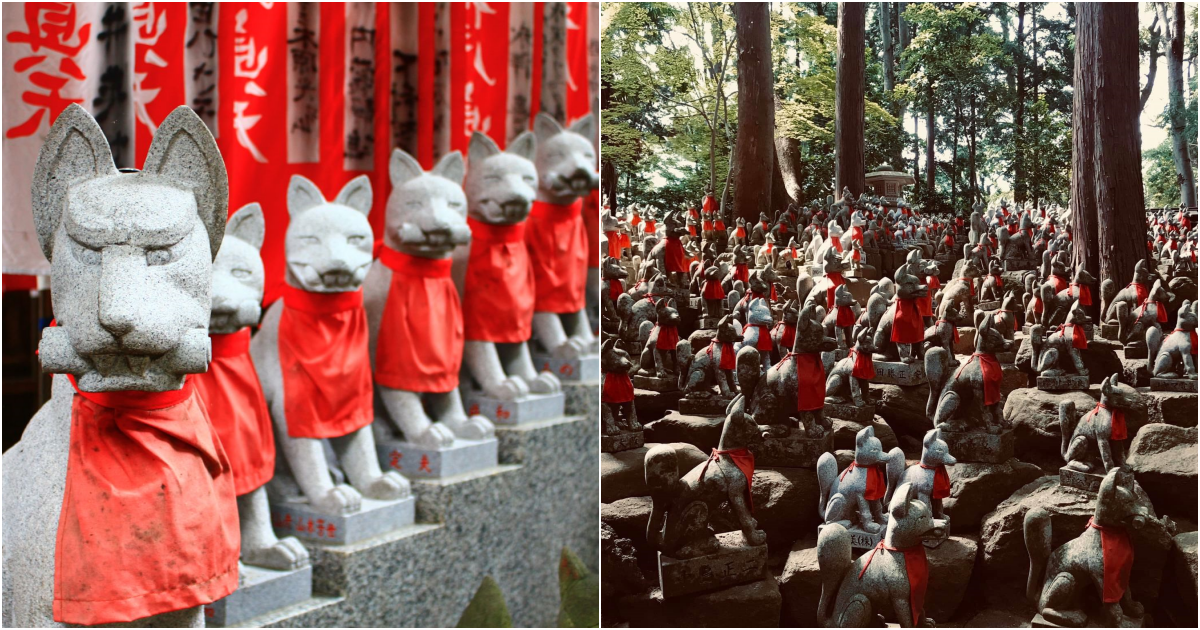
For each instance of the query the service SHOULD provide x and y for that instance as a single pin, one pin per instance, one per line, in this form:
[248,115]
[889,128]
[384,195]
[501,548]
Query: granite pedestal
[622,441]
[656,384]
[792,451]
[295,517]
[862,414]
[1173,385]
[1081,480]
[1066,382]
[979,446]
[703,405]
[990,305]
[529,408]
[1135,350]
[582,398]
[582,368]
[898,373]
[420,462]
[260,592]
[735,562]
[708,323]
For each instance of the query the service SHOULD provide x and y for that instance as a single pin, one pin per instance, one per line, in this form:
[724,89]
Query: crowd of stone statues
[149,487]
[790,359]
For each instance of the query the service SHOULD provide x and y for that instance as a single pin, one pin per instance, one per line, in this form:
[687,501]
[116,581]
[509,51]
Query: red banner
[478,72]
[159,34]
[579,102]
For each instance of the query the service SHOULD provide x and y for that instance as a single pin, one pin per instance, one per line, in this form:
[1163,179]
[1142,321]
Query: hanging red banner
[159,34]
[478,72]
[579,102]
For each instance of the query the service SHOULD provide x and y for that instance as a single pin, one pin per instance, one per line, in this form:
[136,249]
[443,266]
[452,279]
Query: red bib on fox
[422,304]
[498,290]
[558,252]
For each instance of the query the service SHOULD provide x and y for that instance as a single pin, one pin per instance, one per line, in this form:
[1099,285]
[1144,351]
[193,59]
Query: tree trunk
[885,36]
[1155,53]
[849,109]
[916,153]
[780,198]
[1019,184]
[954,153]
[974,194]
[1084,221]
[1120,203]
[787,152]
[755,151]
[1179,147]
[930,136]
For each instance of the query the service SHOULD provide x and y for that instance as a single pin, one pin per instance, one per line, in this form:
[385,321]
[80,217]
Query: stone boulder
[623,474]
[1163,458]
[903,408]
[1005,560]
[703,432]
[977,488]
[750,605]
[1179,593]
[652,405]
[628,518]
[844,432]
[619,572]
[1177,408]
[1100,359]
[785,505]
[1033,415]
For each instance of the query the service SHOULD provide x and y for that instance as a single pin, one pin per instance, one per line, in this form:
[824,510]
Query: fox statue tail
[1066,424]
[683,350]
[1037,543]
[834,558]
[827,471]
[936,361]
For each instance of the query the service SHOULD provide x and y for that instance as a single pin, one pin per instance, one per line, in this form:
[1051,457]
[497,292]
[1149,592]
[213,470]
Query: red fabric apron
[990,368]
[744,460]
[634,222]
[668,336]
[925,304]
[591,223]
[326,363]
[810,381]
[845,316]
[856,234]
[941,481]
[952,327]
[1078,335]
[917,568]
[709,205]
[764,336]
[707,226]
[649,227]
[970,285]
[149,520]
[788,335]
[617,388]
[1117,559]
[864,368]
[876,480]
[615,289]
[1118,430]
[420,342]
[907,326]
[614,242]
[1192,333]
[713,290]
[232,395]
[741,272]
[1160,310]
[835,280]
[728,357]
[1059,283]
[498,291]
[720,227]
[673,255]
[558,253]
[692,230]
[741,232]
[837,243]
[1081,291]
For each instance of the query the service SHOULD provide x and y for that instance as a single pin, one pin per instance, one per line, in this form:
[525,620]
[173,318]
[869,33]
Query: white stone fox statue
[119,500]
[498,290]
[556,237]
[311,350]
[413,310]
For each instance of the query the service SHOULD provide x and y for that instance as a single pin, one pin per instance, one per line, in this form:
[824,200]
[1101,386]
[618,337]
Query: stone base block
[1041,622]
[622,441]
[582,398]
[703,406]
[1019,264]
[1062,383]
[860,538]
[297,518]
[736,562]
[1109,331]
[1173,385]
[990,305]
[530,408]
[420,462]
[966,340]
[1007,357]
[695,303]
[978,446]
[581,368]
[792,451]
[260,592]
[1135,350]
[897,373]
[752,605]
[861,414]
[708,323]
[656,384]
[1080,480]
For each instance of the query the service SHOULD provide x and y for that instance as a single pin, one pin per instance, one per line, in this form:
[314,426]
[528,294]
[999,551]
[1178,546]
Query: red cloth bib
[856,234]
[1059,283]
[498,291]
[970,285]
[835,280]
[1118,430]
[952,327]
[837,244]
[692,230]
[917,568]
[764,336]
[720,227]
[668,336]
[1081,291]
[1117,558]
[558,253]
[617,388]
[326,363]
[615,288]
[876,480]
[649,227]
[614,242]
[990,367]
[728,357]
[810,380]
[864,368]
[845,316]
[708,225]
[907,326]
[1037,305]
[741,272]
[149,520]
[744,460]
[591,223]
[709,204]
[788,335]
[1078,335]
[713,290]
[1192,333]
[741,232]
[232,395]
[635,221]
[673,255]
[420,342]
[941,481]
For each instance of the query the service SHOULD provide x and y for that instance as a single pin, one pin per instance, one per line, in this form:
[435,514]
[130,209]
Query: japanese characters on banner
[324,90]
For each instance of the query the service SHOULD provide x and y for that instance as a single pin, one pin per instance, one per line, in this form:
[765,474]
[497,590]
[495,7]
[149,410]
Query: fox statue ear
[899,505]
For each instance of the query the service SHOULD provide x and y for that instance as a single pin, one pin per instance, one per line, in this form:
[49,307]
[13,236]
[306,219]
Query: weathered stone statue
[497,290]
[312,354]
[1173,357]
[792,394]
[149,527]
[842,315]
[233,396]
[905,330]
[1100,558]
[556,238]
[968,399]
[1098,442]
[853,499]
[622,431]
[712,365]
[929,476]
[960,291]
[659,357]
[668,254]
[849,381]
[890,580]
[756,333]
[613,274]
[1056,355]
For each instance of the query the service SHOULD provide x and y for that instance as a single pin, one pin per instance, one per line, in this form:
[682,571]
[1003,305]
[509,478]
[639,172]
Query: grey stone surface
[753,605]
[583,398]
[704,432]
[297,518]
[584,368]
[734,562]
[1173,385]
[417,461]
[860,414]
[1163,458]
[653,405]
[259,592]
[792,451]
[622,441]
[903,408]
[1175,408]
[703,406]
[978,446]
[977,488]
[1061,383]
[656,384]
[529,408]
[896,373]
[844,432]
[1079,480]
[860,539]
[1033,416]
[510,523]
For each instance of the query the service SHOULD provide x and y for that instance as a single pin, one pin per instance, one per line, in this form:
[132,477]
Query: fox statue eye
[85,254]
[160,256]
[241,274]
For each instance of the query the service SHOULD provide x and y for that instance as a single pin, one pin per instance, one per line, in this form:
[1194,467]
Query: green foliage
[579,592]
[487,608]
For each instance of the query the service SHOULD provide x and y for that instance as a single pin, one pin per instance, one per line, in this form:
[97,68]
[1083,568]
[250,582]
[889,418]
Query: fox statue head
[427,211]
[502,185]
[328,243]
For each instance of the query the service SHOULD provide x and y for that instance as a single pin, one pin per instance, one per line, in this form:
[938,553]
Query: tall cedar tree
[849,112]
[754,155]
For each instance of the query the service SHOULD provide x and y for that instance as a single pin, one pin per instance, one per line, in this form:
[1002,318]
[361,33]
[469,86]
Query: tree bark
[916,153]
[1120,203]
[885,36]
[1179,147]
[849,112]
[1155,53]
[787,153]
[780,198]
[1019,183]
[1084,221]
[755,150]
[930,136]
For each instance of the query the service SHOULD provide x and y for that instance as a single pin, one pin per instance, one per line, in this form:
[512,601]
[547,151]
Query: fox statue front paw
[509,389]
[471,427]
[545,383]
[436,435]
[340,499]
[388,487]
[287,554]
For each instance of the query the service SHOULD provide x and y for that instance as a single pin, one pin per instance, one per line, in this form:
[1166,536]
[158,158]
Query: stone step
[307,613]
[583,398]
[260,592]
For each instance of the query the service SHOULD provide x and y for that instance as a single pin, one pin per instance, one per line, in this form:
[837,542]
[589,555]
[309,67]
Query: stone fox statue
[232,393]
[614,274]
[659,340]
[1056,352]
[953,397]
[888,581]
[792,392]
[1097,442]
[711,365]
[850,378]
[556,236]
[497,279]
[131,256]
[312,350]
[413,312]
[617,411]
[683,506]
[853,498]
[1101,558]
[1174,356]
[929,476]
